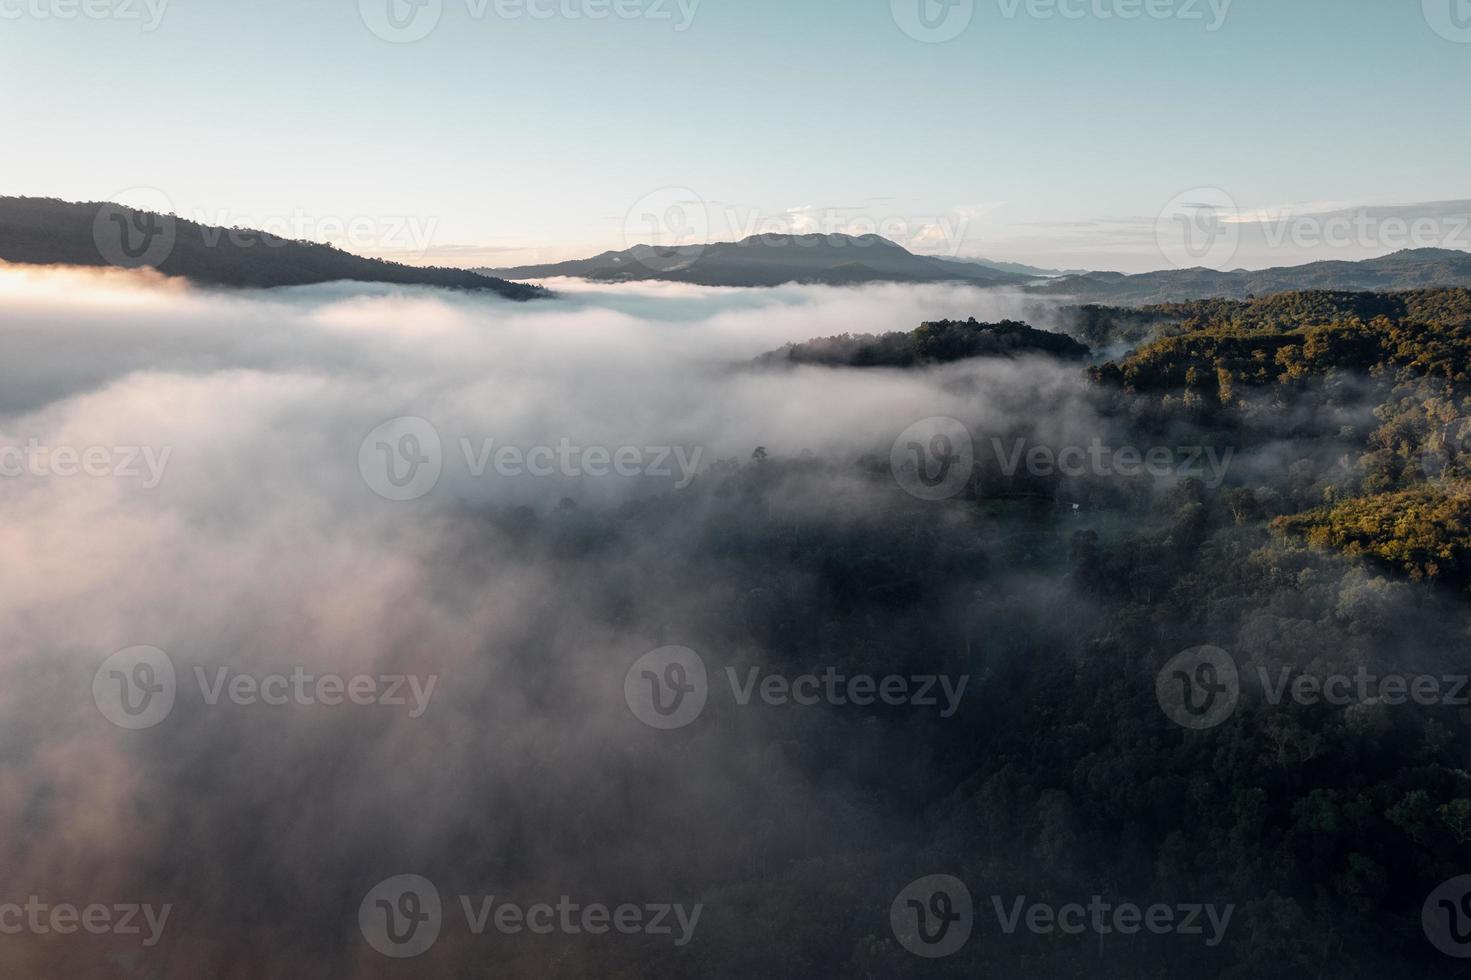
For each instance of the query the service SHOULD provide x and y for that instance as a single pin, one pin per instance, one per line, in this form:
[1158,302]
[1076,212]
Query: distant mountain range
[46,231]
[1017,268]
[772,260]
[843,260]
[1424,268]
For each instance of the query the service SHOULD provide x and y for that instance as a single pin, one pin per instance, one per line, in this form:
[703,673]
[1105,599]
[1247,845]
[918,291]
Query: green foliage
[1292,337]
[939,342]
[1424,532]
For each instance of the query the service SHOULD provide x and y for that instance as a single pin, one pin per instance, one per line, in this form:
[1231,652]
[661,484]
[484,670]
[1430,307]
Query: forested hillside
[1399,495]
[1335,545]
[939,342]
[45,231]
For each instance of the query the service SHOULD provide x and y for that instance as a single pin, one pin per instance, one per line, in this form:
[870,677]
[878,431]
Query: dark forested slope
[45,231]
[938,342]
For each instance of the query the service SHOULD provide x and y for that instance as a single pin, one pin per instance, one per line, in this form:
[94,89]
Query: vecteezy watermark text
[934,459]
[1096,459]
[861,690]
[140,227]
[143,463]
[1204,227]
[1105,918]
[64,919]
[1363,229]
[668,688]
[148,12]
[403,916]
[1212,13]
[934,916]
[570,460]
[410,234]
[136,688]
[403,459]
[1365,687]
[1200,688]
[669,229]
[938,21]
[406,21]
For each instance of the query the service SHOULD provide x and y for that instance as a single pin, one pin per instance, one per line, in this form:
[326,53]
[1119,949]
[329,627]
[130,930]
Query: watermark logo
[667,688]
[933,916]
[668,229]
[1446,917]
[1199,228]
[402,459]
[933,459]
[397,235]
[135,688]
[136,229]
[1451,19]
[401,21]
[933,21]
[401,917]
[140,227]
[1199,689]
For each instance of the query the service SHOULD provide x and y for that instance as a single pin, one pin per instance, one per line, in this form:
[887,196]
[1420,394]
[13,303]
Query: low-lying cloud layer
[366,687]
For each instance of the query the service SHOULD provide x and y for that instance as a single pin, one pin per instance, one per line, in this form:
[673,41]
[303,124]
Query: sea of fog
[204,476]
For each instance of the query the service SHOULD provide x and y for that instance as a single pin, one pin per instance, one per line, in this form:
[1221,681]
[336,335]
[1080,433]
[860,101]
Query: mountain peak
[773,260]
[834,240]
[1428,253]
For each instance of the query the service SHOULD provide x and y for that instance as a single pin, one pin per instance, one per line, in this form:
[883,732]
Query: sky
[1053,132]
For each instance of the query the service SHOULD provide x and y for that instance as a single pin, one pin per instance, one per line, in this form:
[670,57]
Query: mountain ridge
[49,231]
[841,260]
[1423,268]
[769,260]
[933,342]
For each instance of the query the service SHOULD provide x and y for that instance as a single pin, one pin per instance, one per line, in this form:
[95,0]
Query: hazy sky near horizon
[514,131]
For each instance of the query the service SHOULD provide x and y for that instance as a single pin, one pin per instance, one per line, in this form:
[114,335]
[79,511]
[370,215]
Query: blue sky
[1044,134]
